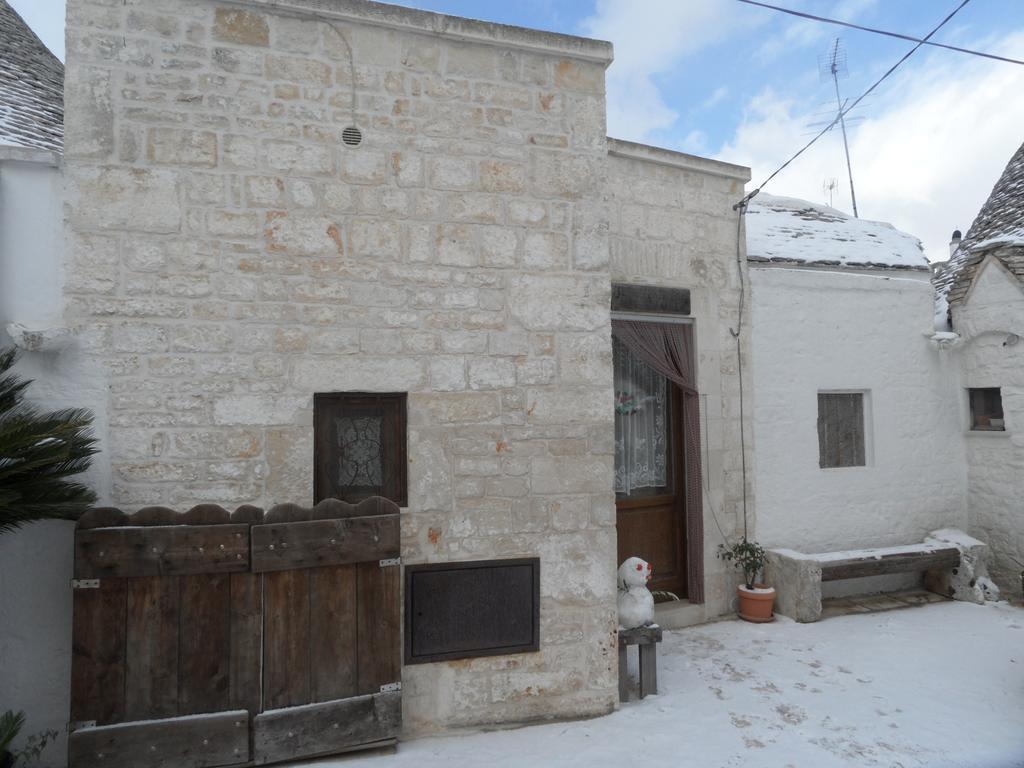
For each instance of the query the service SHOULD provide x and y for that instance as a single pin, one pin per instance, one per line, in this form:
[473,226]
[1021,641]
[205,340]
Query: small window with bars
[841,440]
[986,409]
[359,446]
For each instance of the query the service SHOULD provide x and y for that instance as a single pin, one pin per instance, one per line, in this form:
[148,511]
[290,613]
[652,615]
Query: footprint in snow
[791,715]
[739,721]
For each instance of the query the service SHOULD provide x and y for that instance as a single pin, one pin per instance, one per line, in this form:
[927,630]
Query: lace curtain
[668,348]
[641,423]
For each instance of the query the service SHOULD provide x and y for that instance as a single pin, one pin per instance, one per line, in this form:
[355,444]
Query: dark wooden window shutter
[360,446]
[841,429]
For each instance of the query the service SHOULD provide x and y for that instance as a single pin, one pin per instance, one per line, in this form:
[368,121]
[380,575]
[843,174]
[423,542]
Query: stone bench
[646,639]
[952,562]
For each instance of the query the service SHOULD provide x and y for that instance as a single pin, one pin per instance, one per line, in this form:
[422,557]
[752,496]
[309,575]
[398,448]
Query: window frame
[866,434]
[394,443]
[973,424]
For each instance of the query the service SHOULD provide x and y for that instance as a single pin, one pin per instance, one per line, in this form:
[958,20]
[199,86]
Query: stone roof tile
[31,87]
[999,226]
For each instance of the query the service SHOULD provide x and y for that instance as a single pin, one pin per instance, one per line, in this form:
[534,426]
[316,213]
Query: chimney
[954,242]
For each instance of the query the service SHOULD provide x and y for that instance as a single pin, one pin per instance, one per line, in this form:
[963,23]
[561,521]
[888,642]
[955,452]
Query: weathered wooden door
[215,639]
[650,496]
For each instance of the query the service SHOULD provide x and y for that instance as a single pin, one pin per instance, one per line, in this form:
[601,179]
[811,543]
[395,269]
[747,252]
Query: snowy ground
[935,685]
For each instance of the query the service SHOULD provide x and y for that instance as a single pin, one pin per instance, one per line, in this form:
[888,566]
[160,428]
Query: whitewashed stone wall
[35,561]
[672,224]
[833,329]
[230,257]
[988,321]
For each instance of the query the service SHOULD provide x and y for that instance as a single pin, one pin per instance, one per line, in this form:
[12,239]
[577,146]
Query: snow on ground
[939,685]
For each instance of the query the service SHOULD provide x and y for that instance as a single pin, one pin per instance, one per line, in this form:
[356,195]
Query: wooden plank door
[332,634]
[651,513]
[153,673]
[238,639]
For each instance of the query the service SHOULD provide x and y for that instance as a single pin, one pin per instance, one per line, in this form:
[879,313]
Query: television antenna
[833,65]
[829,186]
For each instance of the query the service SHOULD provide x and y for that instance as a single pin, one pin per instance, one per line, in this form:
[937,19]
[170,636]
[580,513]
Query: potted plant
[756,600]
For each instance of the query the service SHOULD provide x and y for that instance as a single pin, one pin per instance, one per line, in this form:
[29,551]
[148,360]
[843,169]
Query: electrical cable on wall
[706,479]
[350,135]
[739,358]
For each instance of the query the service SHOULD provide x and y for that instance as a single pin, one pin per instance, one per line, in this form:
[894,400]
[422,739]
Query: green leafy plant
[11,724]
[39,452]
[747,556]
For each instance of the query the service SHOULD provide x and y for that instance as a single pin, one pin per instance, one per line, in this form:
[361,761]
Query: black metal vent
[477,608]
[352,136]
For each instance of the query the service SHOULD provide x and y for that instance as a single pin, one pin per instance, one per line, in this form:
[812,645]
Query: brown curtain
[669,349]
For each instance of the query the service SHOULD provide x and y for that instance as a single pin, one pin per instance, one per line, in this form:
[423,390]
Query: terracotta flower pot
[756,604]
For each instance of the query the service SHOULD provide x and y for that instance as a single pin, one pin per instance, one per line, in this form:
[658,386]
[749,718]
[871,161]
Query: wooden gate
[212,638]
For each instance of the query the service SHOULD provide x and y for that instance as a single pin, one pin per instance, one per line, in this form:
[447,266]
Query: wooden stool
[646,639]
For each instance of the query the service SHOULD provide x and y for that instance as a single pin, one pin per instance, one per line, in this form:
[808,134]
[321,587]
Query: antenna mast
[835,63]
[829,186]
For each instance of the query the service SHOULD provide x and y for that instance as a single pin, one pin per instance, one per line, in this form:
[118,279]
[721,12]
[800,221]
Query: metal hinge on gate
[77,725]
[390,561]
[389,687]
[85,583]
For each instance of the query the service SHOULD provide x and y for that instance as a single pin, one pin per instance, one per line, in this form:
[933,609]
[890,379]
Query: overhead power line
[912,39]
[742,203]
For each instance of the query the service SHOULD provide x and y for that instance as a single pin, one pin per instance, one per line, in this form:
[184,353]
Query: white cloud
[720,94]
[848,10]
[797,34]
[935,139]
[650,38]
[806,33]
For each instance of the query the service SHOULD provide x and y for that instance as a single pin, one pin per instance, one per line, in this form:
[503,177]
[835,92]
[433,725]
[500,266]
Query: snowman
[636,604]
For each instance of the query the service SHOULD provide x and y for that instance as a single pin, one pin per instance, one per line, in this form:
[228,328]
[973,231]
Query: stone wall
[672,224]
[230,257]
[834,329]
[990,321]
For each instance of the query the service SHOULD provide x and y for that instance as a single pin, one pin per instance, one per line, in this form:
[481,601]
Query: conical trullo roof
[1000,222]
[31,87]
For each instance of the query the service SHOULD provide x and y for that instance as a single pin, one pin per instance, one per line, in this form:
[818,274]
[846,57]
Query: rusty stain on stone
[335,235]
[241,27]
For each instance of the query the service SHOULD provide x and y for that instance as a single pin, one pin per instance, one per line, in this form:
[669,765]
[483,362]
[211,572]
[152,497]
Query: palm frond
[40,451]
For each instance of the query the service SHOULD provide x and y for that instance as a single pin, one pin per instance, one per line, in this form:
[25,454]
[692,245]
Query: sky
[730,81]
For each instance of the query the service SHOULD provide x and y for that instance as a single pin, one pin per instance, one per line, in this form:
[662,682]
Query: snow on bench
[952,561]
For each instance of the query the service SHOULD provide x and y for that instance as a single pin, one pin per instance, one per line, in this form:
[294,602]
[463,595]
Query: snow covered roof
[792,231]
[999,225]
[31,87]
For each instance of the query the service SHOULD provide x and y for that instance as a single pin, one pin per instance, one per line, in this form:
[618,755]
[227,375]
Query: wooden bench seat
[886,560]
[949,559]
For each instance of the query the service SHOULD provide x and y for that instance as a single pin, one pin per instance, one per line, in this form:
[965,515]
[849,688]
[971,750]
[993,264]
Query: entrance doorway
[650,476]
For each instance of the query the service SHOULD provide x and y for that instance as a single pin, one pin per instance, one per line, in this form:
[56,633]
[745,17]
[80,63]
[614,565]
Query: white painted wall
[31,237]
[36,561]
[989,321]
[817,330]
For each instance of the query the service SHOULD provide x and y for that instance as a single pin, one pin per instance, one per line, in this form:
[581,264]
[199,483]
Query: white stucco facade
[818,330]
[990,322]
[36,561]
